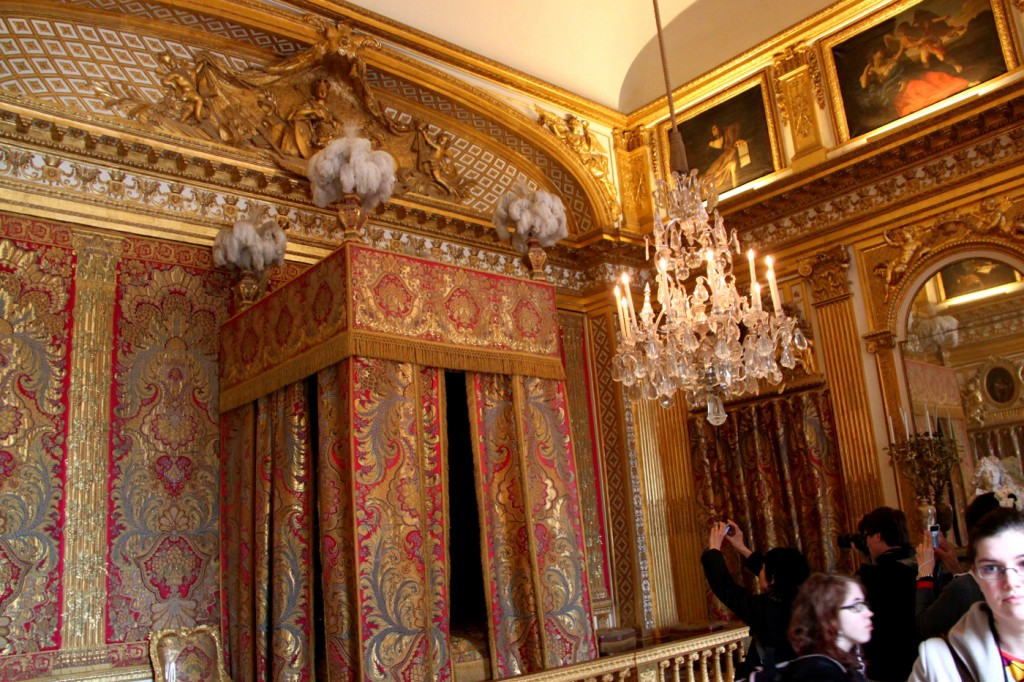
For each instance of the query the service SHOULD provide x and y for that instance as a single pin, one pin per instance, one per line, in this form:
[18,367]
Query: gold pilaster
[632,149]
[89,429]
[686,525]
[827,273]
[654,485]
[799,92]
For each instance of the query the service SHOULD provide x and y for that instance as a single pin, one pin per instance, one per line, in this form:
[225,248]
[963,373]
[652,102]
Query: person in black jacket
[781,571]
[890,582]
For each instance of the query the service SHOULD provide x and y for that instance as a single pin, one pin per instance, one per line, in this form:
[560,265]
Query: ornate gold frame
[1007,39]
[761,78]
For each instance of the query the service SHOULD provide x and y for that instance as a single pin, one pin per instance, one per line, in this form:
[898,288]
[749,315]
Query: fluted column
[674,527]
[827,273]
[85,578]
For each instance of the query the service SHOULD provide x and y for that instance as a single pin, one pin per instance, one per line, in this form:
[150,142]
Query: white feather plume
[349,165]
[254,243]
[535,214]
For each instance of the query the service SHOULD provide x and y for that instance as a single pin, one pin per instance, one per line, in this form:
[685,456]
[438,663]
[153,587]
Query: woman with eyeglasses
[988,642]
[830,623]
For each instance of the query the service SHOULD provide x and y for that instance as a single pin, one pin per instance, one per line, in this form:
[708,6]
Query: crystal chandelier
[711,342]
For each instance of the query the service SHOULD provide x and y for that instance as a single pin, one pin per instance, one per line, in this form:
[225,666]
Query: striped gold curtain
[773,467]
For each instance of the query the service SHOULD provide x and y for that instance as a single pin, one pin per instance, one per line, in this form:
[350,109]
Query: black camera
[856,541]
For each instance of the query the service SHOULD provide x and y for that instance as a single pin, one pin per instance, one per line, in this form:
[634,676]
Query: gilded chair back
[187,655]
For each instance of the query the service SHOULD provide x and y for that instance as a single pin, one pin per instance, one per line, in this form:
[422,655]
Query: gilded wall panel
[163,524]
[617,476]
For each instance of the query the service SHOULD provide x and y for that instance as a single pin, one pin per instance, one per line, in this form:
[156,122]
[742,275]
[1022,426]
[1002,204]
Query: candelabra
[925,460]
[711,343]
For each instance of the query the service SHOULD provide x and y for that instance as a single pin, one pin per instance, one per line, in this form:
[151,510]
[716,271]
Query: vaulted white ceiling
[603,50]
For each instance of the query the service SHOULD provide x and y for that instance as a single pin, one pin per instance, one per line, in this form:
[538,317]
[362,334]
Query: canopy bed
[334,473]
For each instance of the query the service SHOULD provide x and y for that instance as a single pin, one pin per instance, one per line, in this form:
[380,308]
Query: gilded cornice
[827,272]
[131,187]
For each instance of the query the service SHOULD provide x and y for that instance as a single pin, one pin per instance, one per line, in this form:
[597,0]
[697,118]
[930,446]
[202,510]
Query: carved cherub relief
[294,108]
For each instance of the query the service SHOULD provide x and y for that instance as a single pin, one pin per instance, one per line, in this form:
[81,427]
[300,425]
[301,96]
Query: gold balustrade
[709,658]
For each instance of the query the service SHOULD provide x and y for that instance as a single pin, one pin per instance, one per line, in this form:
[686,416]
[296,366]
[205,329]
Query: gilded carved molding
[827,272]
[574,132]
[793,63]
[880,341]
[293,108]
[970,148]
[908,249]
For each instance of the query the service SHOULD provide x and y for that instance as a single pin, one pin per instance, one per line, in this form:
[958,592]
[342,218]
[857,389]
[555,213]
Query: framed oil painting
[731,138]
[913,55]
[973,275]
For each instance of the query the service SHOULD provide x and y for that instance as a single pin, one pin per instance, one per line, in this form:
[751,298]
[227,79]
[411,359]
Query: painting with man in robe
[731,142]
[917,57]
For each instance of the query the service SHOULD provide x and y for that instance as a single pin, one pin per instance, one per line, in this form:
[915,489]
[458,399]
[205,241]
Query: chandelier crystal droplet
[711,343]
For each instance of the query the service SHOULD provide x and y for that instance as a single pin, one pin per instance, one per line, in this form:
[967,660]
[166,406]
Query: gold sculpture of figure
[184,87]
[311,125]
[199,97]
[434,158]
[907,240]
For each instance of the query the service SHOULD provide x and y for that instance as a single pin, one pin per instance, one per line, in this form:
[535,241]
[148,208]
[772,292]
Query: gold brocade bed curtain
[773,467]
[363,449]
[334,484]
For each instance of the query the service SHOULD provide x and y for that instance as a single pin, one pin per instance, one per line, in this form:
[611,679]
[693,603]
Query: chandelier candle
[709,342]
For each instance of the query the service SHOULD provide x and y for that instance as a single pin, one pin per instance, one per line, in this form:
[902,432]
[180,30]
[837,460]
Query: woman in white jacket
[987,644]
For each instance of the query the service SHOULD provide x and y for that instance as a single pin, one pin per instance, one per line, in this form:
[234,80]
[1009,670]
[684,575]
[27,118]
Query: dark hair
[997,521]
[979,506]
[786,570]
[891,523]
[814,624]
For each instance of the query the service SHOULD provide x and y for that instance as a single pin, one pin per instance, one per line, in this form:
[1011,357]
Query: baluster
[690,660]
[730,668]
[717,661]
[705,654]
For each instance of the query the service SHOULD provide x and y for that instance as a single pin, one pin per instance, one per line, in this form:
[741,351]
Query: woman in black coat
[781,572]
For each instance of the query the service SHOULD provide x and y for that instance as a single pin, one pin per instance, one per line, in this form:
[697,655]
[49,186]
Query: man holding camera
[890,583]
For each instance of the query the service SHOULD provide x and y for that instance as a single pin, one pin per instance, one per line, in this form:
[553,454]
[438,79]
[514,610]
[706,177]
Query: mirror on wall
[963,361]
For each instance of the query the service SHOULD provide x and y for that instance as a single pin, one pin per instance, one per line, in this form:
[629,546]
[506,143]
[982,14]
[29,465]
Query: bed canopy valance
[360,301]
[334,473]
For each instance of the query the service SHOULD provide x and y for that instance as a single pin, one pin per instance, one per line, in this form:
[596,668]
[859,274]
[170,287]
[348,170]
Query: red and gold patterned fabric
[337,545]
[539,607]
[37,269]
[400,529]
[162,539]
[108,445]
[359,301]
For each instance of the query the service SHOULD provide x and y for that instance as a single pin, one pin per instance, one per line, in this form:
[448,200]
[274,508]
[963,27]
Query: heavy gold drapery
[773,467]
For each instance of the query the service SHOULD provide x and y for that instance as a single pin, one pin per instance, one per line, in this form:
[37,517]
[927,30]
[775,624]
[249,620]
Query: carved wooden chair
[187,655]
